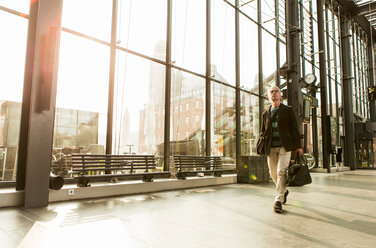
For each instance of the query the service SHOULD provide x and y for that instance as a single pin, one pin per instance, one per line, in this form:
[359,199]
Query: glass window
[249,107]
[268,15]
[248,54]
[249,8]
[223,42]
[142,26]
[282,59]
[189,34]
[81,101]
[187,89]
[269,60]
[139,97]
[13,41]
[92,18]
[22,6]
[223,121]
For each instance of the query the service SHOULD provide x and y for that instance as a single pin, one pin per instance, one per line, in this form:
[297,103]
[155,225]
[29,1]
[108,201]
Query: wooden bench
[189,165]
[114,167]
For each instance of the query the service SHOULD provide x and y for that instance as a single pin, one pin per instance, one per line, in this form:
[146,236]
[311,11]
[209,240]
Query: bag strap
[301,159]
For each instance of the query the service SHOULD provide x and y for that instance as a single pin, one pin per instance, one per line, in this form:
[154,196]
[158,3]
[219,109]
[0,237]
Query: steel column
[237,84]
[323,93]
[260,78]
[293,60]
[41,76]
[208,81]
[110,109]
[349,151]
[277,45]
[168,88]
[26,96]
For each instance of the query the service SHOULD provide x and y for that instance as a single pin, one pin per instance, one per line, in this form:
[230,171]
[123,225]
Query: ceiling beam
[364,10]
[351,9]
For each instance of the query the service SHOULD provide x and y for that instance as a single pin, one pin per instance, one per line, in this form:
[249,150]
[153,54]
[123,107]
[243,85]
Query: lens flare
[297,204]
[253,177]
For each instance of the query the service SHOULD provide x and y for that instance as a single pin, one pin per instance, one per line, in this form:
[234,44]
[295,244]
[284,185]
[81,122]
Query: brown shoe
[278,207]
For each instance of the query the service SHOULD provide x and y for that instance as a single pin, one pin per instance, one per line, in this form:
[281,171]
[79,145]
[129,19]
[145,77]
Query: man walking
[279,128]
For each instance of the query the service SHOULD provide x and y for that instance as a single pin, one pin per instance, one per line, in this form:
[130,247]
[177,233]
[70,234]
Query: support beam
[237,90]
[110,109]
[323,98]
[352,8]
[293,60]
[208,128]
[347,81]
[166,147]
[41,80]
[365,10]
[260,75]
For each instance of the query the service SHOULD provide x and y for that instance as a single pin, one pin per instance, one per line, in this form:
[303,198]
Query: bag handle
[301,159]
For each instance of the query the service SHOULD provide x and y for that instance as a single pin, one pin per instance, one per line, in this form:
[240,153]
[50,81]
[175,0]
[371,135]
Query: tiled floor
[336,210]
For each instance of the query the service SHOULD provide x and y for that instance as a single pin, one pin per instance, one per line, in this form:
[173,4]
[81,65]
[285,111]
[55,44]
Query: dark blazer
[287,127]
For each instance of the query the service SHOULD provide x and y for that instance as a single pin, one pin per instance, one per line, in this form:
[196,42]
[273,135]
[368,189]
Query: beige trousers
[278,162]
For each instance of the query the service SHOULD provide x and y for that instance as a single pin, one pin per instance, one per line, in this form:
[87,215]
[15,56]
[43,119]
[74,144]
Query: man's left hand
[299,151]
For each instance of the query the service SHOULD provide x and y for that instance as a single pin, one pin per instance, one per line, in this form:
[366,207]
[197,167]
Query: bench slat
[190,165]
[88,166]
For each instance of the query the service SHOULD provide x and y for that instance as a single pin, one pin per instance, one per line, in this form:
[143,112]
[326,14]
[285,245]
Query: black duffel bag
[298,173]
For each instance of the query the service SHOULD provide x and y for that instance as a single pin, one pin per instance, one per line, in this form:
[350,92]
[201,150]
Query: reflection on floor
[336,210]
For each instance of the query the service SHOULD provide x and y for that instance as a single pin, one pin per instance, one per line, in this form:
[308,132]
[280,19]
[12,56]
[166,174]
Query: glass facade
[169,46]
[13,43]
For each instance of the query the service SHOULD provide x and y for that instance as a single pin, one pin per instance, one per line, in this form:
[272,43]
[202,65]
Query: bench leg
[180,176]
[217,174]
[114,180]
[147,178]
[83,182]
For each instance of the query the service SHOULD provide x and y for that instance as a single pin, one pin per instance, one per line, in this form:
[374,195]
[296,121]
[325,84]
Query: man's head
[274,94]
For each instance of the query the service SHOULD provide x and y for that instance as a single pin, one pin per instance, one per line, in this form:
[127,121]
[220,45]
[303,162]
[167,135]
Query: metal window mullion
[278,56]
[362,95]
[358,98]
[208,80]
[335,76]
[303,28]
[111,86]
[168,88]
[328,72]
[237,83]
[365,76]
[261,83]
[361,76]
[354,67]
[323,92]
[371,82]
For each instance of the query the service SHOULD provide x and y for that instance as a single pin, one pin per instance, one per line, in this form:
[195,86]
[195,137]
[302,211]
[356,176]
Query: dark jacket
[287,127]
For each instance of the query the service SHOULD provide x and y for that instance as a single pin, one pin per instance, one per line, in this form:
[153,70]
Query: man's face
[274,94]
